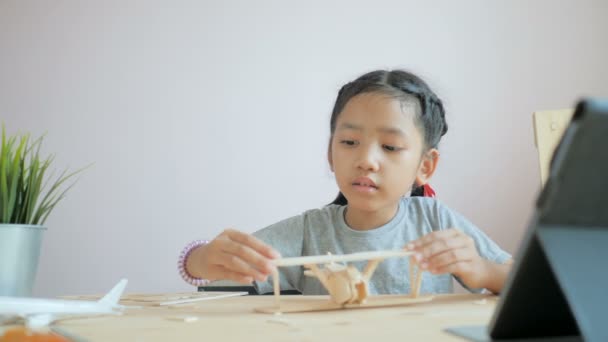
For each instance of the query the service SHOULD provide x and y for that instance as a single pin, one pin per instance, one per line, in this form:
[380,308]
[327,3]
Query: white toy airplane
[38,313]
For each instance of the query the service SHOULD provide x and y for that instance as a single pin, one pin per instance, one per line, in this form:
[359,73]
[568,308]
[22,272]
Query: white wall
[199,116]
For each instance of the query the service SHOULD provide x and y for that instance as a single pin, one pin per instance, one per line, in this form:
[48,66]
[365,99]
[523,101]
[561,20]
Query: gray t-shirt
[319,231]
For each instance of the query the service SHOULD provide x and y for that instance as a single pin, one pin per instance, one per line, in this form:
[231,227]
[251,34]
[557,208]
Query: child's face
[377,151]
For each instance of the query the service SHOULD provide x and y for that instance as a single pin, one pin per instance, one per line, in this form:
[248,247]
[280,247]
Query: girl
[385,129]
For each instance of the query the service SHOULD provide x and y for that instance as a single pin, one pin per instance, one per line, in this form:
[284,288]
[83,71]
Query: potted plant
[27,197]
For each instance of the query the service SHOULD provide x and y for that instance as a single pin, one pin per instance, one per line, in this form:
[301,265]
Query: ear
[427,167]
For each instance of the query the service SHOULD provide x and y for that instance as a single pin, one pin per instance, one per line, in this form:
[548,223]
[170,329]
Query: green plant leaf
[4,169]
[36,178]
[21,193]
[27,194]
[15,173]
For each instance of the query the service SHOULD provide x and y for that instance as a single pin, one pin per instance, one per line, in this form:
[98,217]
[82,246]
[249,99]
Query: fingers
[440,262]
[243,259]
[250,250]
[456,267]
[450,251]
[438,247]
[444,250]
[239,265]
[439,242]
[240,257]
[253,242]
[430,238]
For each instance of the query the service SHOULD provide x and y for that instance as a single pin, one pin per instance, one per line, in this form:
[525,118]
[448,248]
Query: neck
[358,219]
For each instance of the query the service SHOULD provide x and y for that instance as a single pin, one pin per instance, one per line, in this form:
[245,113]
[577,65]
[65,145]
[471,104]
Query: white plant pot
[19,254]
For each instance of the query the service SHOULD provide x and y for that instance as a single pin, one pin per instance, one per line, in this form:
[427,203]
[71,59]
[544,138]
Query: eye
[391,148]
[349,142]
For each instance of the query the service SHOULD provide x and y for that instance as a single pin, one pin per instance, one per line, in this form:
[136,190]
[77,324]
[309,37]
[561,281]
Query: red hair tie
[427,191]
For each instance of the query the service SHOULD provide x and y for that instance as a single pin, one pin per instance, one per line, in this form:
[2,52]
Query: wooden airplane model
[347,286]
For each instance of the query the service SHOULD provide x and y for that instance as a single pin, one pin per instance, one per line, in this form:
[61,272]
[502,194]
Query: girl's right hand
[233,255]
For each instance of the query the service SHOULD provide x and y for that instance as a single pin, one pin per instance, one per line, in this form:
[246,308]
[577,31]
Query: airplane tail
[111,298]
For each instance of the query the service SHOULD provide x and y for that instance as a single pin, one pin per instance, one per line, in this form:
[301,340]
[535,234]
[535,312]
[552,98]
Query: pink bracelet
[183,258]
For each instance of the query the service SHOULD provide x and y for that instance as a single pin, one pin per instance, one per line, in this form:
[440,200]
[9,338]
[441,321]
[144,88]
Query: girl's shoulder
[329,215]
[424,204]
[431,210]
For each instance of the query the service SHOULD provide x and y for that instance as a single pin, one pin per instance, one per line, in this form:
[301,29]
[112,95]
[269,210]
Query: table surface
[235,319]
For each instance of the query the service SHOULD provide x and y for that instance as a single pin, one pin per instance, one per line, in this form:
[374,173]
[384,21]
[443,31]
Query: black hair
[405,87]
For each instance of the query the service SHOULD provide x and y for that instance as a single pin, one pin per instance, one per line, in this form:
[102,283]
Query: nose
[369,159]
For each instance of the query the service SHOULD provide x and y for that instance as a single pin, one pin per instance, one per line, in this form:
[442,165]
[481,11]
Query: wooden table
[234,319]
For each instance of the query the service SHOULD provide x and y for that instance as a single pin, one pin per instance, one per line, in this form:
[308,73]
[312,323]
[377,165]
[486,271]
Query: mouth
[365,182]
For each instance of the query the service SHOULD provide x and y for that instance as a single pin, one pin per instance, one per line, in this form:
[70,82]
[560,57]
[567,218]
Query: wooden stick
[411,269]
[210,297]
[418,282]
[323,259]
[277,288]
[318,273]
[369,269]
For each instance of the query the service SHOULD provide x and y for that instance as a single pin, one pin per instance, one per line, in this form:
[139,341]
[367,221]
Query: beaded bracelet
[183,258]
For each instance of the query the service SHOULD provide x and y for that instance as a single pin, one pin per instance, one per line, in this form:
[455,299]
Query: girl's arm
[496,275]
[453,251]
[232,255]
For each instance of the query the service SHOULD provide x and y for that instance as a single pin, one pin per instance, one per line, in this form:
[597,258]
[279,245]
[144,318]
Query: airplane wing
[35,322]
[322,259]
[38,322]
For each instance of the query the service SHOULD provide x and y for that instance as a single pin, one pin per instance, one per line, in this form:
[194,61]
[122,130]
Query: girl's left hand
[450,251]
